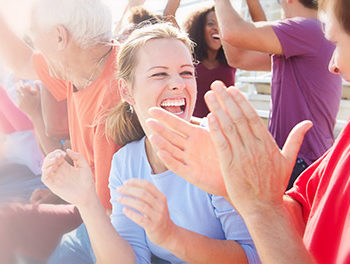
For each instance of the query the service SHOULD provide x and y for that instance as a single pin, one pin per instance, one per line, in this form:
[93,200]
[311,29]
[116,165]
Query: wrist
[90,203]
[173,239]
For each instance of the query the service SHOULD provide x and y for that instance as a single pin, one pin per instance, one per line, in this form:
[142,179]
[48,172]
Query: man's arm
[15,53]
[244,35]
[29,103]
[54,115]
[256,174]
[248,60]
[277,233]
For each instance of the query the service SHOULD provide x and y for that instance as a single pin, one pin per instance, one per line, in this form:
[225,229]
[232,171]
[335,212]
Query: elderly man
[74,57]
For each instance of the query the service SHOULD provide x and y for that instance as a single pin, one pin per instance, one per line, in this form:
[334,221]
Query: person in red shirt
[308,224]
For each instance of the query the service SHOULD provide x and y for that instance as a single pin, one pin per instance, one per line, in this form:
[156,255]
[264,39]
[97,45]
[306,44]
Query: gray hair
[88,21]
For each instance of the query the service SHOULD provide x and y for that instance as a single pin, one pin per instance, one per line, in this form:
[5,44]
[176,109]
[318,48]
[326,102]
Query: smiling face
[335,32]
[211,32]
[163,77]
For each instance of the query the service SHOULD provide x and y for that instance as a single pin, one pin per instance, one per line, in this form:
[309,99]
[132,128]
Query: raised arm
[170,11]
[256,11]
[15,53]
[29,102]
[54,115]
[256,174]
[245,35]
[246,59]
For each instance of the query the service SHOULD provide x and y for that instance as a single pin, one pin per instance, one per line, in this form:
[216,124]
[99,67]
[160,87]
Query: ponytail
[122,124]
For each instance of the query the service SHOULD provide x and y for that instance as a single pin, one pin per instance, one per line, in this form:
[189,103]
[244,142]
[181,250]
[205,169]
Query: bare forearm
[256,11]
[170,11]
[277,235]
[47,144]
[230,22]
[192,247]
[108,245]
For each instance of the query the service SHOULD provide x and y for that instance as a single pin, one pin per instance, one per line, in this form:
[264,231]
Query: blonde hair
[122,123]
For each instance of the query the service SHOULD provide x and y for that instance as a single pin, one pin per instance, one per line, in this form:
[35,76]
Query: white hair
[88,21]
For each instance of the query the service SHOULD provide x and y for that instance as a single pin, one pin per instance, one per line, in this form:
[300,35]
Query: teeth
[216,36]
[173,102]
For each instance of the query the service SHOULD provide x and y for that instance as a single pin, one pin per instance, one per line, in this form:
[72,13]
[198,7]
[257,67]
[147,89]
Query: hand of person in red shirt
[255,170]
[187,150]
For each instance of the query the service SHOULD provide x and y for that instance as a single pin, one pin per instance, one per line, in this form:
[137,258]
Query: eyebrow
[164,67]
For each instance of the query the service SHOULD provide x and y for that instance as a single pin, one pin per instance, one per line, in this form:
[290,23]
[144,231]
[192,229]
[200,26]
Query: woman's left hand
[152,209]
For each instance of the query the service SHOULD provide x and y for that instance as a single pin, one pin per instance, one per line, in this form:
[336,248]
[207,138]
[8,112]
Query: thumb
[78,159]
[295,139]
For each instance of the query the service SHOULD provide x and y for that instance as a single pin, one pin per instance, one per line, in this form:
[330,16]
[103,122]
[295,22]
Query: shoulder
[130,152]
[128,160]
[299,25]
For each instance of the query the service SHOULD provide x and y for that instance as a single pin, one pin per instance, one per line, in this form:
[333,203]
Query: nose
[176,83]
[333,66]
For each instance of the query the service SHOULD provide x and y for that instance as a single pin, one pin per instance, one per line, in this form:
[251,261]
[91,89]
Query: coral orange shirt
[87,109]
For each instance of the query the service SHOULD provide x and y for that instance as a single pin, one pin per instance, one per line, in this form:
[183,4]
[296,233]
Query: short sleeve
[58,88]
[299,36]
[234,227]
[104,148]
[130,231]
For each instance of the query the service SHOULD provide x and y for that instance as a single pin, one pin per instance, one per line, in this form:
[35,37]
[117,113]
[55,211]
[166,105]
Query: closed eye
[187,74]
[159,74]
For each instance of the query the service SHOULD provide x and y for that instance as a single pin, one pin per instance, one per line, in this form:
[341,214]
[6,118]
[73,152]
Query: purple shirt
[302,88]
[205,77]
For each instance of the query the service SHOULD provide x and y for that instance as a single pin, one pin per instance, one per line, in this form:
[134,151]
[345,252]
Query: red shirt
[323,191]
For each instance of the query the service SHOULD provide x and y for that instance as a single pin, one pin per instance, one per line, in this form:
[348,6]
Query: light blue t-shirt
[189,207]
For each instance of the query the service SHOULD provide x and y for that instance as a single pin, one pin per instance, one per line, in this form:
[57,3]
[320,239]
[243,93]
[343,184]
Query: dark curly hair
[313,4]
[194,26]
[139,15]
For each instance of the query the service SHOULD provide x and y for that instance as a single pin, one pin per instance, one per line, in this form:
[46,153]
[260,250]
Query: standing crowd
[146,151]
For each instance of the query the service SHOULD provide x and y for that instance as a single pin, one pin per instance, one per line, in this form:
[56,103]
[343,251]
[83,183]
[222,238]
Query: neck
[87,64]
[156,164]
[211,61]
[304,12]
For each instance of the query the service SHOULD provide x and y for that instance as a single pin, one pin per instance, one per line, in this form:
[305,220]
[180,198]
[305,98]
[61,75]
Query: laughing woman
[155,211]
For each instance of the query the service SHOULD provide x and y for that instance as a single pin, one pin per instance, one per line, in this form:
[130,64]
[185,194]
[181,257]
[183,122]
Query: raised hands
[255,170]
[29,99]
[187,150]
[73,184]
[152,209]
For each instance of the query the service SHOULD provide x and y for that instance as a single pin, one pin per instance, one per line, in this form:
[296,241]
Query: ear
[124,90]
[61,37]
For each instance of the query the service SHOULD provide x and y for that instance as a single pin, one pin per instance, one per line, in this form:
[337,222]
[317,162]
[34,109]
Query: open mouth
[176,106]
[215,36]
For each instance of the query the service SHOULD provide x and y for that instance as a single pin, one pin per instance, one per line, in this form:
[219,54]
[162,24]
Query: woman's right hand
[73,184]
